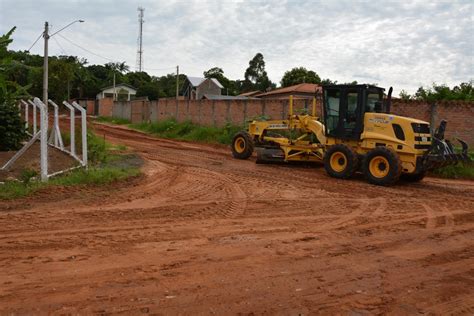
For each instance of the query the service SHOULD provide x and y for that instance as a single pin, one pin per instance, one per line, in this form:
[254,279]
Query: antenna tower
[139,66]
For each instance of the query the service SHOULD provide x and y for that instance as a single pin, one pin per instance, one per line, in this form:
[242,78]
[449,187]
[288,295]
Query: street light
[45,61]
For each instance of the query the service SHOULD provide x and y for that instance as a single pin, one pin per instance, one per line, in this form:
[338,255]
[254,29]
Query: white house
[121,91]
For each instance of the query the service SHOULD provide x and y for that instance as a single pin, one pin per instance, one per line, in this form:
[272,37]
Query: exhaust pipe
[388,102]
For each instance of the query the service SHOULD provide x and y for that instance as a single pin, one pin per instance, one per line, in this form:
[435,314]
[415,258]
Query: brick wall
[105,106]
[458,114]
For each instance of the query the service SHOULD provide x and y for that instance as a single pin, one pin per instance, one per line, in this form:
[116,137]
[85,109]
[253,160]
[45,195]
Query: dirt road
[202,233]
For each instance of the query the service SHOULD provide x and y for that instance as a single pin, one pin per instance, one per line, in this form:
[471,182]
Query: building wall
[207,87]
[458,114]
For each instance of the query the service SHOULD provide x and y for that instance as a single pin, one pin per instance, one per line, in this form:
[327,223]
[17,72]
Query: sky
[404,44]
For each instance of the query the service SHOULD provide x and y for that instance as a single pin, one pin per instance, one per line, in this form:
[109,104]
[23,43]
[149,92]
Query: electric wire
[92,53]
[85,49]
[36,41]
[106,58]
[62,49]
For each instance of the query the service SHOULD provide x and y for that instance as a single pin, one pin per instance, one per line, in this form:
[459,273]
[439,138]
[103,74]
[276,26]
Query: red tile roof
[250,93]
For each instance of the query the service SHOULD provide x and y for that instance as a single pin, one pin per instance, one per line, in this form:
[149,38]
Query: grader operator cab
[356,133]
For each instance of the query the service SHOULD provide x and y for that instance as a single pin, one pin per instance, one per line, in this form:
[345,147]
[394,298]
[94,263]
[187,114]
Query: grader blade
[270,155]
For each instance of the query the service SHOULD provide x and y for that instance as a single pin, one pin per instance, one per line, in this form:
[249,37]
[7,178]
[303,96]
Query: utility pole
[45,61]
[45,64]
[177,82]
[114,98]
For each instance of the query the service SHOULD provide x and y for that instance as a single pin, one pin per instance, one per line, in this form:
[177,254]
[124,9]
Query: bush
[12,128]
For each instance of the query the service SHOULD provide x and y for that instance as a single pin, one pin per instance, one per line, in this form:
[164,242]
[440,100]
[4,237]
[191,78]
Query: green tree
[12,128]
[256,77]
[404,95]
[299,75]
[442,92]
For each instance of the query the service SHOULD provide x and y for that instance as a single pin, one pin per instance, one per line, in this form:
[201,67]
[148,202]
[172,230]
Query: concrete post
[72,130]
[26,113]
[43,138]
[34,116]
[84,132]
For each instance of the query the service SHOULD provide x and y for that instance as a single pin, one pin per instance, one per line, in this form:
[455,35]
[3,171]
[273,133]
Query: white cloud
[390,43]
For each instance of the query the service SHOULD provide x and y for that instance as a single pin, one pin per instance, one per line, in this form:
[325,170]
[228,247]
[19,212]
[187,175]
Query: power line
[62,49]
[85,49]
[36,41]
[90,52]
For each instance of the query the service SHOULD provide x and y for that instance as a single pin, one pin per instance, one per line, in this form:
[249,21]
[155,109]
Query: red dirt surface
[202,233]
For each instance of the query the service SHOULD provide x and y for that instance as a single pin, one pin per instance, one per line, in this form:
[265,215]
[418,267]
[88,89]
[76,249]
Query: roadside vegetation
[106,165]
[188,131]
[459,171]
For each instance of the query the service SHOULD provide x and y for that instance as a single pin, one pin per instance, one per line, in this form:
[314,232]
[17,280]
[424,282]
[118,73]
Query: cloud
[390,43]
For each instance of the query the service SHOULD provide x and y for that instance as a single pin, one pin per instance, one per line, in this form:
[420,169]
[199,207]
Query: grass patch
[113,120]
[15,189]
[95,176]
[189,131]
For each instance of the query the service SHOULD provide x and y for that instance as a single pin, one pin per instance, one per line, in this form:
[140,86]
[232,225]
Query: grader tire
[341,161]
[382,166]
[242,145]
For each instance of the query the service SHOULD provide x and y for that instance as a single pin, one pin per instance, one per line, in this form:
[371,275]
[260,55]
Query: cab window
[332,105]
[350,120]
[374,103]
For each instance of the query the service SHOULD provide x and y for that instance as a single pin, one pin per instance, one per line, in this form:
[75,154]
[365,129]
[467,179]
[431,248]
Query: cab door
[343,112]
[351,119]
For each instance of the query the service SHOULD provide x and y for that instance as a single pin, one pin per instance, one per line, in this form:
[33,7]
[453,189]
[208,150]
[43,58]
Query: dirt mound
[202,233]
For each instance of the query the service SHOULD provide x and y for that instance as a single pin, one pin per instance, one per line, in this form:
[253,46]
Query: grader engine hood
[411,134]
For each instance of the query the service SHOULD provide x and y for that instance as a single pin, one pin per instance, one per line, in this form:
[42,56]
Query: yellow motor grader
[356,133]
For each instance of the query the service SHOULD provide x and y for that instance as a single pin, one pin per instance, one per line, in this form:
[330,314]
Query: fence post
[84,132]
[56,132]
[72,131]
[34,116]
[26,113]
[44,139]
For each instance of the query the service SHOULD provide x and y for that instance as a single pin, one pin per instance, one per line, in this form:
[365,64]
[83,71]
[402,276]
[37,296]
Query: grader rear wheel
[340,161]
[242,145]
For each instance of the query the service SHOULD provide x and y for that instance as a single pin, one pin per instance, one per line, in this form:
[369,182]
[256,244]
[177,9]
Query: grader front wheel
[382,166]
[340,161]
[242,145]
